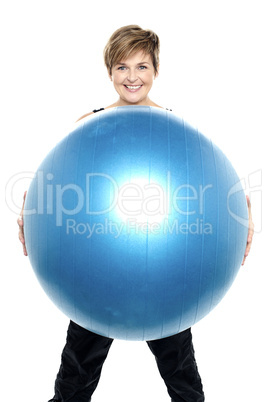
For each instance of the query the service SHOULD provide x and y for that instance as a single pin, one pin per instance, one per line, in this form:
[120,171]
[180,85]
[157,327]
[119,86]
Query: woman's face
[133,78]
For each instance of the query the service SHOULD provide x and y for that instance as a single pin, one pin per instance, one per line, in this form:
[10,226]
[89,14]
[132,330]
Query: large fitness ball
[135,224]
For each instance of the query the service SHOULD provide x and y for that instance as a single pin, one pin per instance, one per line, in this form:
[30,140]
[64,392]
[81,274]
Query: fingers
[20,223]
[250,231]
[247,251]
[21,229]
[22,240]
[25,251]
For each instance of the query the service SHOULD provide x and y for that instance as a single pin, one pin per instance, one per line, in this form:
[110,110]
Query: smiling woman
[132,60]
[131,57]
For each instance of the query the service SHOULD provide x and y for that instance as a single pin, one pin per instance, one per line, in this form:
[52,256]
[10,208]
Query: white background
[213,73]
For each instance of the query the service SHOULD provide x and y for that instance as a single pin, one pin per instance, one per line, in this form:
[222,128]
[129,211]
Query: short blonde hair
[128,40]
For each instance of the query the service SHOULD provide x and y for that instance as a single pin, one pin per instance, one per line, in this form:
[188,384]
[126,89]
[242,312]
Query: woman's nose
[132,75]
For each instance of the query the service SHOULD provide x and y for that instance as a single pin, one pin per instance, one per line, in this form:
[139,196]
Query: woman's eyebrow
[124,64]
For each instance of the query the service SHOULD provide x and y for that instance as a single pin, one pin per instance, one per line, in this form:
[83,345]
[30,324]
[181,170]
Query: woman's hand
[21,226]
[250,231]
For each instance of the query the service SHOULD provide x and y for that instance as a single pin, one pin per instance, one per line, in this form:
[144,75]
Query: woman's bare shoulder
[85,115]
[96,110]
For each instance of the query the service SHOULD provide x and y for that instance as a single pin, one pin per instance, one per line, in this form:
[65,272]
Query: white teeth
[133,87]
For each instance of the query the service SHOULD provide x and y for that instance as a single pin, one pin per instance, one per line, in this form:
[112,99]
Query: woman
[132,60]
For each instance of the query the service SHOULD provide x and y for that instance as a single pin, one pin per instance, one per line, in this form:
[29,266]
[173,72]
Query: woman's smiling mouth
[133,88]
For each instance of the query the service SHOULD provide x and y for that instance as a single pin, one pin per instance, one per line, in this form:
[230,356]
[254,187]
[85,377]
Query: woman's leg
[81,364]
[176,363]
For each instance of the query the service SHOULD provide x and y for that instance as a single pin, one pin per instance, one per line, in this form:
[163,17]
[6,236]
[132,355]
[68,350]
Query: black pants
[85,353]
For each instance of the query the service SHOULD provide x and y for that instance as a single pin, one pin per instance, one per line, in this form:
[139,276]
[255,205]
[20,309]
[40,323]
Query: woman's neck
[122,103]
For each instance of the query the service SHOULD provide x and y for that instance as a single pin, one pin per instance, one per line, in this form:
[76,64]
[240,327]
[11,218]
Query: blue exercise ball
[136,224]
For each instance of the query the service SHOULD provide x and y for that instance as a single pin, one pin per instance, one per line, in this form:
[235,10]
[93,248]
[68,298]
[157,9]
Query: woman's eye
[122,68]
[142,67]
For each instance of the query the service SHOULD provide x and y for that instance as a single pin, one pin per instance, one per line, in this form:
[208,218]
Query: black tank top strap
[99,110]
